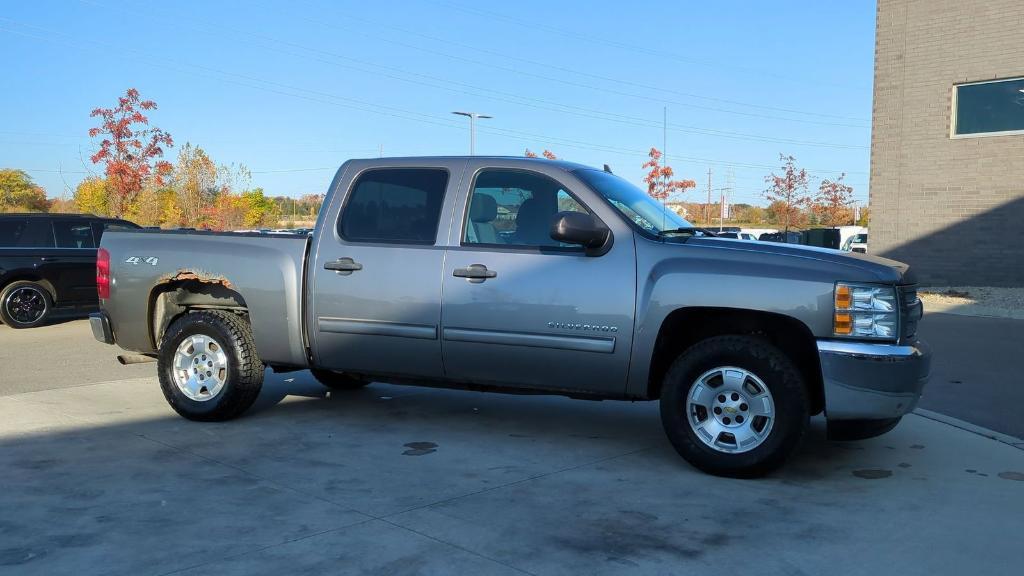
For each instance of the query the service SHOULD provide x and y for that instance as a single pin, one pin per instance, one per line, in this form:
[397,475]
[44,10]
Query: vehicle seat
[533,224]
[482,212]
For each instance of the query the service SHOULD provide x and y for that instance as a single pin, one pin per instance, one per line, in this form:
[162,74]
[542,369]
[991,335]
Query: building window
[994,107]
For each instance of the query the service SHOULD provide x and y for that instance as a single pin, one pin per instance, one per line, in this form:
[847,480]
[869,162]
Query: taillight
[103,273]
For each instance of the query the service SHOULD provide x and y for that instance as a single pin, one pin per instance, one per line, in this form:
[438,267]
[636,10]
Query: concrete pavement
[104,478]
[59,355]
[100,477]
[977,370]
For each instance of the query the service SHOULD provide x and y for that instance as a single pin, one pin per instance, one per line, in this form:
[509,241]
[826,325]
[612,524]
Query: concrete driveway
[103,478]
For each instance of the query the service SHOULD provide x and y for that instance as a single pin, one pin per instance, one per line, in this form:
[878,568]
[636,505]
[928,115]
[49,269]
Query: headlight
[866,311]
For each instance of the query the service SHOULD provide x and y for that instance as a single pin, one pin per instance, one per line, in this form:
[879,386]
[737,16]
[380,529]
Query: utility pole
[707,207]
[472,128]
[664,154]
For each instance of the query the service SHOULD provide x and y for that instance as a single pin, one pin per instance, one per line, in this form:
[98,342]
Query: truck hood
[881,269]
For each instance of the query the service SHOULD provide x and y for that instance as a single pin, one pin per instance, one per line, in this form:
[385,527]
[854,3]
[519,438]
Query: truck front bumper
[870,386]
[100,325]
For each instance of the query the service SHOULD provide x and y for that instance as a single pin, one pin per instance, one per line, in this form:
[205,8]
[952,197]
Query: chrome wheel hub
[26,304]
[200,367]
[730,409]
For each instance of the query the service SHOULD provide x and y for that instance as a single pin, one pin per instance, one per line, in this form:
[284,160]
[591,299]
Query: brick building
[947,141]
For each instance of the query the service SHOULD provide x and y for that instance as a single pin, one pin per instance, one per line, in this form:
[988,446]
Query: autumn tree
[660,184]
[546,153]
[865,216]
[18,193]
[195,182]
[832,205]
[91,196]
[787,194]
[130,150]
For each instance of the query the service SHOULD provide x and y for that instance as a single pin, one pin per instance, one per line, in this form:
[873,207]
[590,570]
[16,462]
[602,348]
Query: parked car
[48,261]
[736,235]
[523,275]
[857,243]
[791,237]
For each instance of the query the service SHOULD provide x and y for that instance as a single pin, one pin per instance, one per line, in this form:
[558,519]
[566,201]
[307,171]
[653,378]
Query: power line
[566,81]
[331,99]
[562,32]
[444,84]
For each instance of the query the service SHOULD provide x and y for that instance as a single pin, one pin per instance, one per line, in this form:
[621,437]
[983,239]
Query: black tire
[245,370]
[25,304]
[337,380]
[778,373]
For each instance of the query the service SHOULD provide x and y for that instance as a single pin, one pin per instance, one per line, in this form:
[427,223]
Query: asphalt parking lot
[100,476]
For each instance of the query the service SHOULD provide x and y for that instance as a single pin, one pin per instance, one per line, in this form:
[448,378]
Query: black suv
[48,261]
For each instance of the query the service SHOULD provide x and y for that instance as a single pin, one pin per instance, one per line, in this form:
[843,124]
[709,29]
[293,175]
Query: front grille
[910,310]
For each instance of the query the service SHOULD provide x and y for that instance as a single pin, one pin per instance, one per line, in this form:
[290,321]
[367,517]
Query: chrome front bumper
[872,381]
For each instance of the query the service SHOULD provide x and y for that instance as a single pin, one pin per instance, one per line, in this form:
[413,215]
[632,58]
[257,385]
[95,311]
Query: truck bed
[266,272]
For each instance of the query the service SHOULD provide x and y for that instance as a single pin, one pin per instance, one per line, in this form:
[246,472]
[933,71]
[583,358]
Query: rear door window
[395,205]
[25,233]
[73,234]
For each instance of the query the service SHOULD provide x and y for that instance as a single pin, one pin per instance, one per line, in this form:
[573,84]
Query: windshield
[633,202]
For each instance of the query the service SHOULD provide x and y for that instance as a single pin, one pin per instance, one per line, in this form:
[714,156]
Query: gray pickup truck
[530,276]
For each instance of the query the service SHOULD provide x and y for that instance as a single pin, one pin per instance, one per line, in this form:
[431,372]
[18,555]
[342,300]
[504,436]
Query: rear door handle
[475,273]
[343,266]
[49,259]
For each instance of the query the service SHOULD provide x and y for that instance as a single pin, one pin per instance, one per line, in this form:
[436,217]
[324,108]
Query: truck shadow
[486,416]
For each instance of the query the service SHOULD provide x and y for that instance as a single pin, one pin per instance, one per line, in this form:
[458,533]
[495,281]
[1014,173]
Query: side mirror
[583,229]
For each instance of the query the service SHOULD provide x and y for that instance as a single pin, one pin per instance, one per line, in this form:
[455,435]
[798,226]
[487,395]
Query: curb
[1013,441]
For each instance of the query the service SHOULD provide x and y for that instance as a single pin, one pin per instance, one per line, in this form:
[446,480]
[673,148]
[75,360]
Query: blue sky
[293,89]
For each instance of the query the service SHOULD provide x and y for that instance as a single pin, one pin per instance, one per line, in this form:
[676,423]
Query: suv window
[25,233]
[516,208]
[73,234]
[394,205]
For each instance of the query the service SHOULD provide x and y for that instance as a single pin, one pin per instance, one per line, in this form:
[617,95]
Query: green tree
[19,194]
[195,181]
[259,210]
[92,196]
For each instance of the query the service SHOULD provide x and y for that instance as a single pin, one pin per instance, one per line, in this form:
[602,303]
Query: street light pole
[472,128]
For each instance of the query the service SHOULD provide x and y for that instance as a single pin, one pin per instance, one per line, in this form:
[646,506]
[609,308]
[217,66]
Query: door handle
[475,273]
[49,259]
[343,266]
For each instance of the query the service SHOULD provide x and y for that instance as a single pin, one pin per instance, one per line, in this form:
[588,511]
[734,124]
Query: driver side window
[516,208]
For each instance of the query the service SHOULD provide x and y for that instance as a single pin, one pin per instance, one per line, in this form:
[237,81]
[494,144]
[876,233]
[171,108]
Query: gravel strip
[974,300]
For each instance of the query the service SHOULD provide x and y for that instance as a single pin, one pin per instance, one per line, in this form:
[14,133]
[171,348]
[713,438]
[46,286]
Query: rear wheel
[337,380]
[734,406]
[25,304]
[208,367]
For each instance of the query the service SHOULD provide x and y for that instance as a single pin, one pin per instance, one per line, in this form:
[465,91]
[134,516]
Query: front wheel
[734,406]
[25,304]
[208,366]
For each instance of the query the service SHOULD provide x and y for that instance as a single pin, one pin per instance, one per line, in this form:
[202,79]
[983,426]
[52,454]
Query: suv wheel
[208,367]
[734,406]
[25,304]
[337,380]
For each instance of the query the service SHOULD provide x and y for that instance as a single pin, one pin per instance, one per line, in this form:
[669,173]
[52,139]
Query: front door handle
[343,266]
[475,273]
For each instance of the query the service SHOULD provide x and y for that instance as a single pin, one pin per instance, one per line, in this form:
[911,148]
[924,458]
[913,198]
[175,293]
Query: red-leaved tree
[660,184]
[787,194]
[546,153]
[130,150]
[833,202]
